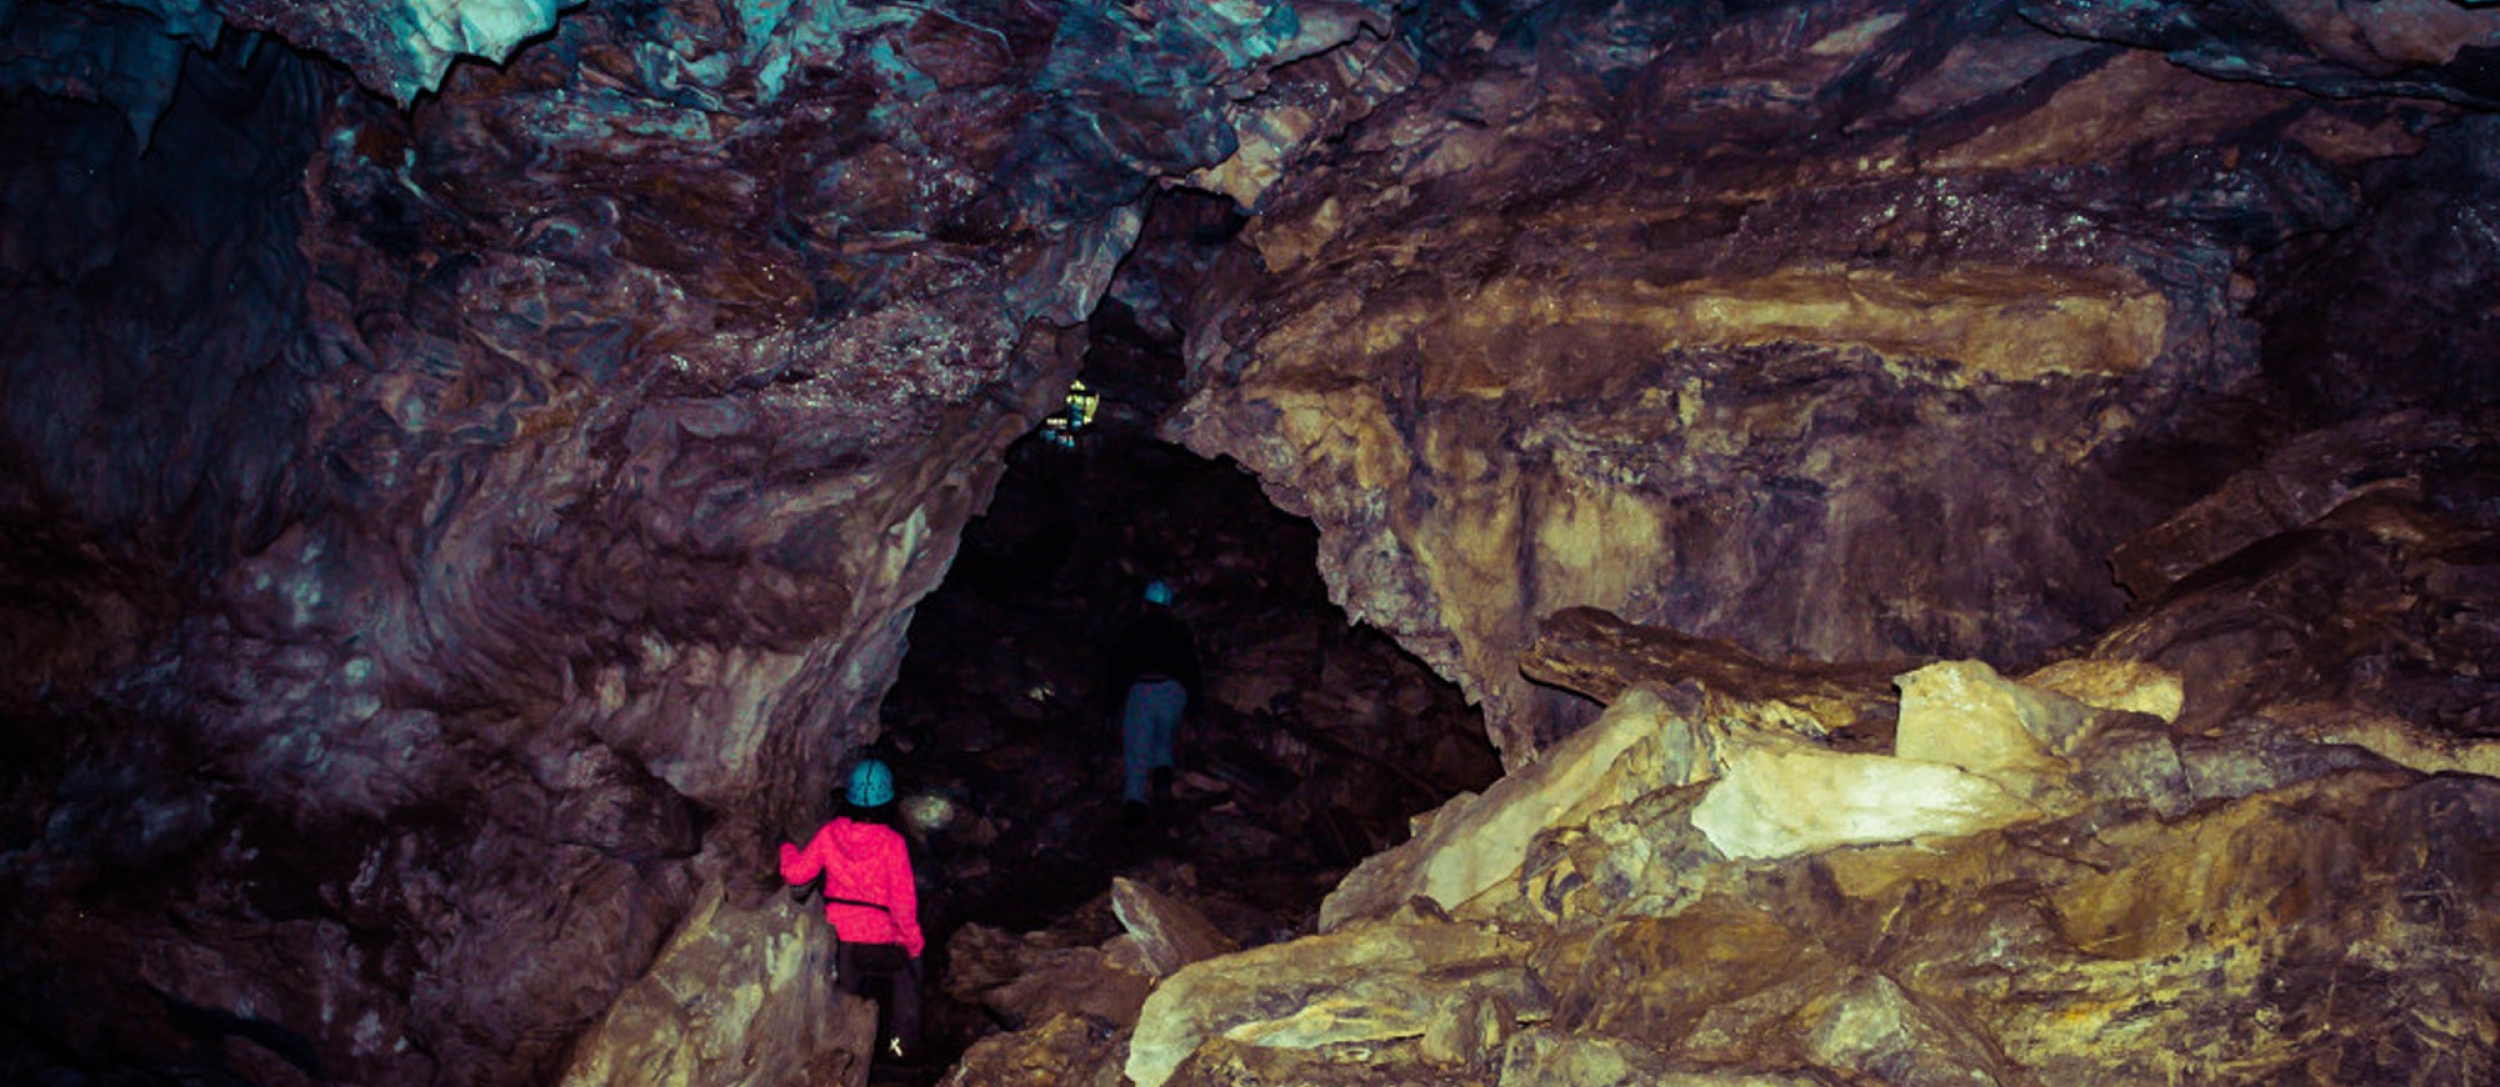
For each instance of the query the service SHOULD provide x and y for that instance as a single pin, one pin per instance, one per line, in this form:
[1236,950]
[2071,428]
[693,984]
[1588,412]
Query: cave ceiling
[453,449]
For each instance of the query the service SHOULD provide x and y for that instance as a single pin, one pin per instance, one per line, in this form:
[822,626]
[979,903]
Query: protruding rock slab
[1168,932]
[1598,654]
[2298,484]
[1785,799]
[1376,982]
[2349,576]
[2106,684]
[1475,843]
[1963,714]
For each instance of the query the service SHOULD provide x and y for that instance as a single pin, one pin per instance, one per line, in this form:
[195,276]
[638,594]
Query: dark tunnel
[1316,740]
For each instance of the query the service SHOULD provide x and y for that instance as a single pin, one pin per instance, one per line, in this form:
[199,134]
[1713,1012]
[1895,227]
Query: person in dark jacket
[869,897]
[1158,662]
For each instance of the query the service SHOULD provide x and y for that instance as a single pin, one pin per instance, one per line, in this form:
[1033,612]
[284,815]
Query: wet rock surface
[455,514]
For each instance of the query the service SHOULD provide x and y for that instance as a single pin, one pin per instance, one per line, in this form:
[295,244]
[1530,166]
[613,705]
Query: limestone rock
[512,497]
[1374,982]
[1067,1051]
[1544,1057]
[2253,756]
[1468,1032]
[2393,738]
[1961,713]
[1879,1031]
[437,543]
[1783,799]
[2334,583]
[2030,953]
[1076,981]
[2136,759]
[2101,683]
[1038,978]
[739,996]
[2417,47]
[2298,484]
[1643,742]
[1647,420]
[1600,655]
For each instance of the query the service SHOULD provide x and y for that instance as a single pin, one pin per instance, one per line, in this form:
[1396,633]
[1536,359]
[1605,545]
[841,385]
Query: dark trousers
[1147,722]
[857,964]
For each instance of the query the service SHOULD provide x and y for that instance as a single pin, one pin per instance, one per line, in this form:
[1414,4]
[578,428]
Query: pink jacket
[864,863]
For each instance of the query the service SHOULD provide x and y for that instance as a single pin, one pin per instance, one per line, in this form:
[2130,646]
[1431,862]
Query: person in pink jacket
[869,897]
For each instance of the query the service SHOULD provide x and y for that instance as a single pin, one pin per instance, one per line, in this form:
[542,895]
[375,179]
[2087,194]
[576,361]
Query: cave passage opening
[1312,745]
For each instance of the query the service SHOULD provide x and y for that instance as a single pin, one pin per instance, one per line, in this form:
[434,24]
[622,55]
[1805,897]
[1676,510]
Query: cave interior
[1733,542]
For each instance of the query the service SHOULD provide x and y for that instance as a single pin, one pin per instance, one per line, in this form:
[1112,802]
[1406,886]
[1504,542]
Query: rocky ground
[2210,847]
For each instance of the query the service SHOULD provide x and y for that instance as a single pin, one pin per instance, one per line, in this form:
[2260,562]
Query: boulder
[739,996]
[1066,1051]
[1169,934]
[1039,977]
[1474,844]
[1877,1030]
[1544,1057]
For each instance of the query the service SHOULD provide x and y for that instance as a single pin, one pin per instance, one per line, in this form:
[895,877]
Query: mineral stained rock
[1597,654]
[1713,337]
[2093,940]
[446,543]
[461,538]
[2248,847]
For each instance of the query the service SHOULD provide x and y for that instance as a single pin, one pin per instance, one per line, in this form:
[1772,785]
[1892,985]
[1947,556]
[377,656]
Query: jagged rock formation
[1708,336]
[492,520]
[2109,871]
[443,542]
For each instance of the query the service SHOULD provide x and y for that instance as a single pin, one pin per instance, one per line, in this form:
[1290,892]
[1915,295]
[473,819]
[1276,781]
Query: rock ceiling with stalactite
[469,466]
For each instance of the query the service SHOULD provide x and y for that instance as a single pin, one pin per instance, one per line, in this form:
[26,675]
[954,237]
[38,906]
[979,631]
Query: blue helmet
[1157,592]
[872,784]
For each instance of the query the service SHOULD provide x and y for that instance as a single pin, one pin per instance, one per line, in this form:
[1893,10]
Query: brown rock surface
[446,537]
[1510,377]
[495,519]
[1596,654]
[1168,933]
[2365,595]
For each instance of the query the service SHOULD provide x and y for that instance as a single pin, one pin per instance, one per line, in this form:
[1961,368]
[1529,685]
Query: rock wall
[1718,321]
[460,538]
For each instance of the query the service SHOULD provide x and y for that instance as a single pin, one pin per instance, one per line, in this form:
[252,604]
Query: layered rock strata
[1718,338]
